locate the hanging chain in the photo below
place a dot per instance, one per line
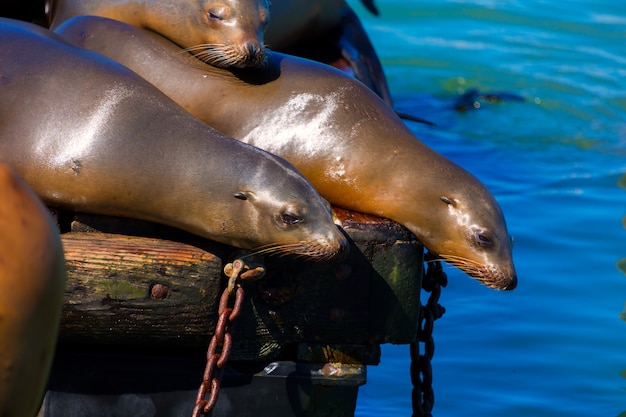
(421, 370)
(221, 342)
(423, 397)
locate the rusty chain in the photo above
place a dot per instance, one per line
(221, 342)
(421, 370)
(423, 396)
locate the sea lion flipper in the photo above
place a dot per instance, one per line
(369, 5)
(416, 119)
(357, 49)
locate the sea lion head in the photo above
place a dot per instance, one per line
(290, 215)
(234, 35)
(468, 230)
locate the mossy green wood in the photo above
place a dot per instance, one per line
(368, 298)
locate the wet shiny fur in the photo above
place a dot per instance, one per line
(223, 33)
(32, 290)
(340, 135)
(89, 135)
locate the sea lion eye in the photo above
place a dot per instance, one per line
(289, 218)
(447, 200)
(217, 13)
(240, 196)
(483, 240)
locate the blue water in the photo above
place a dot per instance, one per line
(556, 345)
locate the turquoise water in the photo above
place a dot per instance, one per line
(556, 345)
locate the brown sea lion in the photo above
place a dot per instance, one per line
(327, 31)
(223, 33)
(340, 135)
(90, 135)
(32, 288)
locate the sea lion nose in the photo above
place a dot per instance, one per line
(511, 284)
(343, 246)
(255, 53)
(252, 48)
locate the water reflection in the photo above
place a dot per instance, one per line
(621, 264)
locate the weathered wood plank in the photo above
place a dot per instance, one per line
(125, 288)
(135, 283)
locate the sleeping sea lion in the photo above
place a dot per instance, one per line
(32, 289)
(223, 33)
(90, 135)
(338, 133)
(327, 31)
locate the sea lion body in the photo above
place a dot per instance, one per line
(89, 135)
(222, 32)
(327, 31)
(32, 288)
(300, 21)
(340, 135)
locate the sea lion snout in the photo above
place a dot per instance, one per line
(332, 245)
(494, 274)
(323, 248)
(512, 284)
(338, 246)
(499, 278)
(252, 54)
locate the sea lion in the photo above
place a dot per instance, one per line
(327, 31)
(223, 33)
(473, 97)
(32, 289)
(338, 133)
(90, 135)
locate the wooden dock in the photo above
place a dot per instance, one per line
(141, 307)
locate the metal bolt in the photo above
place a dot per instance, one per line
(159, 291)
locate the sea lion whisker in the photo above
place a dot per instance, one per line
(460, 259)
(226, 55)
(201, 54)
(304, 249)
(215, 57)
(202, 47)
(209, 51)
(486, 274)
(449, 265)
(471, 267)
(432, 261)
(273, 248)
(263, 250)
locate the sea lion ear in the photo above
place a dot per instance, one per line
(447, 200)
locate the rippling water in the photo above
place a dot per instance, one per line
(556, 345)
